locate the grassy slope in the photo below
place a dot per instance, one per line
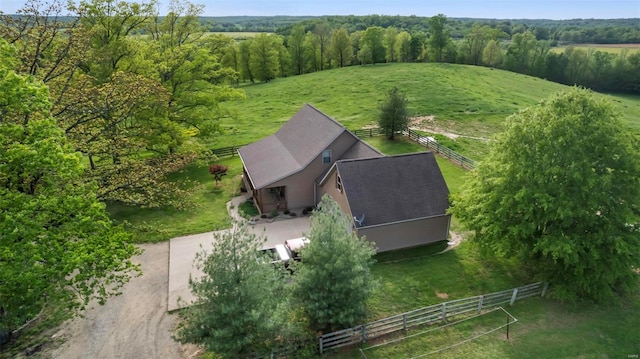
(465, 99)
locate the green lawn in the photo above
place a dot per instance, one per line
(209, 213)
(545, 329)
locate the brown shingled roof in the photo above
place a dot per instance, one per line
(291, 148)
(394, 188)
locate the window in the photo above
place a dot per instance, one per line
(339, 183)
(326, 156)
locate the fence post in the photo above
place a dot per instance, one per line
(544, 289)
(480, 303)
(370, 132)
(364, 334)
(320, 344)
(233, 151)
(513, 297)
(404, 323)
(444, 313)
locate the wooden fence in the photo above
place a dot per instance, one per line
(452, 155)
(433, 145)
(226, 151)
(438, 313)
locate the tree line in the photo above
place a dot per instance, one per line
(315, 46)
(599, 31)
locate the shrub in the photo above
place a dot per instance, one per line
(274, 213)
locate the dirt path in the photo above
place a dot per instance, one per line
(133, 325)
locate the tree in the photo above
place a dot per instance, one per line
(372, 38)
(296, 47)
(417, 46)
(475, 42)
(334, 280)
(394, 115)
(390, 41)
(341, 50)
(264, 56)
(235, 298)
(58, 245)
(218, 171)
(560, 189)
(404, 46)
(492, 54)
(439, 37)
(322, 32)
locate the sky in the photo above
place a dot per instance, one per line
(496, 9)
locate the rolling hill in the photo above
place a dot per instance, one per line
(466, 100)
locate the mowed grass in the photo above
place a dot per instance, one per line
(208, 214)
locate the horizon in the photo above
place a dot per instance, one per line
(486, 9)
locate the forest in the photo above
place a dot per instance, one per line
(317, 44)
(576, 31)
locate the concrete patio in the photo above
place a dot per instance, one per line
(182, 250)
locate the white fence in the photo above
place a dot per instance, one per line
(427, 315)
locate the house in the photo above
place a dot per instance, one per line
(280, 170)
(395, 201)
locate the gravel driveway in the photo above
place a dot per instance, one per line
(133, 325)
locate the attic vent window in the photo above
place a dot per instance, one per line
(326, 156)
(339, 183)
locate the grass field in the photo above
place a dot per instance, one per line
(467, 100)
(612, 48)
(236, 35)
(545, 329)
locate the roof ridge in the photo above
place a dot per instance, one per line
(385, 156)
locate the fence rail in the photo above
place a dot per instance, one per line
(375, 131)
(226, 151)
(452, 155)
(427, 315)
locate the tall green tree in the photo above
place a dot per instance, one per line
(341, 50)
(404, 47)
(560, 189)
(58, 246)
(322, 31)
(265, 56)
(475, 42)
(394, 115)
(373, 39)
(492, 54)
(390, 41)
(296, 46)
(334, 279)
(236, 298)
(439, 37)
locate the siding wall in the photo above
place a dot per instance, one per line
(407, 234)
(299, 186)
(329, 187)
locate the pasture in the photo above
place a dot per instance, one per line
(611, 48)
(466, 100)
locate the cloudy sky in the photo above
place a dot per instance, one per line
(499, 9)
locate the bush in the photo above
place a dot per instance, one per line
(247, 209)
(287, 211)
(274, 213)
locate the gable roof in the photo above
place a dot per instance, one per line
(291, 148)
(394, 188)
